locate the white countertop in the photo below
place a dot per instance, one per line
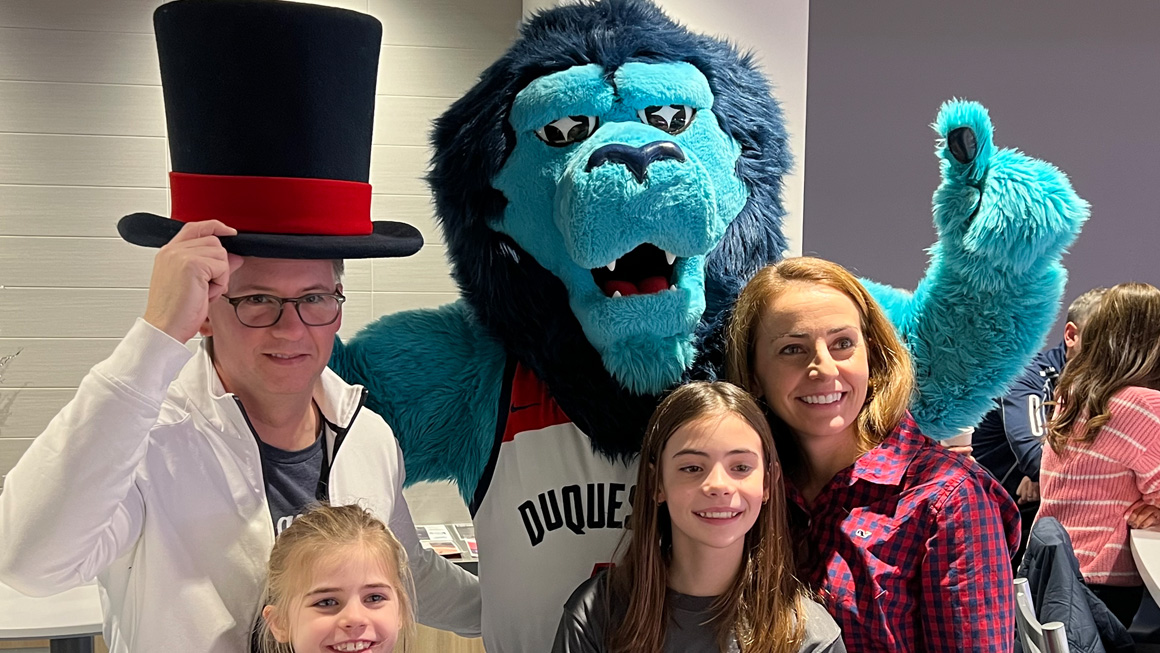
(74, 613)
(1146, 552)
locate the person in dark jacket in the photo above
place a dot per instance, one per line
(1059, 593)
(1008, 442)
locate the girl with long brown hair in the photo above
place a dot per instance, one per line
(1101, 473)
(907, 543)
(708, 567)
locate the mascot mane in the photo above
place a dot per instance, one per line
(520, 302)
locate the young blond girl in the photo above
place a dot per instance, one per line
(708, 567)
(337, 582)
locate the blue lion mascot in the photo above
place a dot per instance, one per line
(605, 191)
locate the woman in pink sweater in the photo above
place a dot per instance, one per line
(1101, 474)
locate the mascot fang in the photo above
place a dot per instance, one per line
(605, 191)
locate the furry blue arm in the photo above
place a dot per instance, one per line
(992, 289)
(894, 301)
(435, 376)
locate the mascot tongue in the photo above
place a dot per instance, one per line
(645, 270)
(645, 286)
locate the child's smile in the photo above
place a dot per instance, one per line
(713, 482)
(351, 605)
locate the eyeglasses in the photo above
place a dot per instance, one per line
(261, 311)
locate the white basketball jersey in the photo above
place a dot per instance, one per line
(549, 512)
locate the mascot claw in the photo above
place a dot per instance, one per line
(965, 141)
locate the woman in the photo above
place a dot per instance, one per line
(1101, 473)
(907, 543)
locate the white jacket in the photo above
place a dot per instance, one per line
(149, 480)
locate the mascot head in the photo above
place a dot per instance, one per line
(605, 190)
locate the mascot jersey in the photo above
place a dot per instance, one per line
(605, 191)
(547, 506)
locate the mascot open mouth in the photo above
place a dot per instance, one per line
(645, 270)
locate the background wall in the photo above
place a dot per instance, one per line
(1069, 81)
(82, 142)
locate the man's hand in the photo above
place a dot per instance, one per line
(189, 272)
(1143, 515)
(1027, 492)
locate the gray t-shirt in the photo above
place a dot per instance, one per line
(589, 618)
(291, 479)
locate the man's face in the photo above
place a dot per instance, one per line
(286, 358)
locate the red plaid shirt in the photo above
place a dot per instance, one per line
(910, 549)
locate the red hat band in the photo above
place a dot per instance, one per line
(282, 205)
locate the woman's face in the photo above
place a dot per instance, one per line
(714, 482)
(810, 360)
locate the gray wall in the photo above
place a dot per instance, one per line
(1075, 82)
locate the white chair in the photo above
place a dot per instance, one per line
(1036, 637)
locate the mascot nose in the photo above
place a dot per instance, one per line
(636, 159)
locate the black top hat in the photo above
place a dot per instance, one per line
(269, 107)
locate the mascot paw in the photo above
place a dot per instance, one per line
(999, 209)
(966, 141)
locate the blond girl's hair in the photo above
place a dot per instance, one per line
(329, 531)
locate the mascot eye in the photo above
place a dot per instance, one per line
(670, 118)
(567, 130)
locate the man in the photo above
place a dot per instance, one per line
(169, 474)
(1008, 441)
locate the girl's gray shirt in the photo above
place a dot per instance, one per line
(589, 618)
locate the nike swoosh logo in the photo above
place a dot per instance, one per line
(518, 408)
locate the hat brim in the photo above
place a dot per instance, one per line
(387, 240)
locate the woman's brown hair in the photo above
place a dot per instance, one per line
(330, 531)
(764, 607)
(891, 374)
(1120, 348)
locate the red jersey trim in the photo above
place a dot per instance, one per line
(531, 407)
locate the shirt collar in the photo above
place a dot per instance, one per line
(887, 463)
